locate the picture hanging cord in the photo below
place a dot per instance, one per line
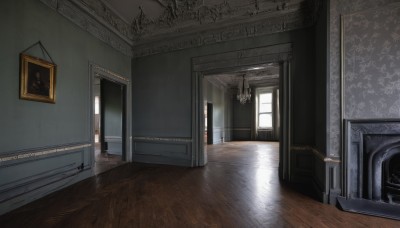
(41, 47)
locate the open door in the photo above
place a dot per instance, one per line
(109, 122)
(111, 118)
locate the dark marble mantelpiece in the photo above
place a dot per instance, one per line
(367, 143)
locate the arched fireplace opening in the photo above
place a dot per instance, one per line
(379, 152)
(391, 189)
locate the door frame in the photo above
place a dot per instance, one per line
(210, 122)
(242, 60)
(96, 71)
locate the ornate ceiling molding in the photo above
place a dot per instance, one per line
(186, 23)
(229, 33)
(284, 18)
(181, 16)
(100, 27)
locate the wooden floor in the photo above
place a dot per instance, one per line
(239, 187)
(105, 161)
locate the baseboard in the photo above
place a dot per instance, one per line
(173, 149)
(321, 195)
(47, 188)
(161, 160)
(33, 173)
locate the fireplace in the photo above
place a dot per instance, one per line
(379, 165)
(392, 180)
(371, 165)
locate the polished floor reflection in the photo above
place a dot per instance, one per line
(239, 187)
(105, 161)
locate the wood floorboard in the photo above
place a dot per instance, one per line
(239, 187)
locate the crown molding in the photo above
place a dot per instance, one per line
(102, 21)
(279, 23)
(86, 18)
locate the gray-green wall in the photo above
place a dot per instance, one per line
(33, 126)
(222, 111)
(163, 91)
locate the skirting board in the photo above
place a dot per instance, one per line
(43, 191)
(161, 160)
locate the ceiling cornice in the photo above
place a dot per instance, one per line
(100, 27)
(141, 37)
(281, 23)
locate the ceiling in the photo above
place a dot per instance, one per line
(257, 76)
(129, 9)
(154, 18)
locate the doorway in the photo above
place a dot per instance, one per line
(208, 114)
(245, 127)
(240, 61)
(110, 120)
(109, 106)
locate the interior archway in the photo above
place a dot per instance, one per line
(236, 61)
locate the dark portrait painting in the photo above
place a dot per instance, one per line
(37, 79)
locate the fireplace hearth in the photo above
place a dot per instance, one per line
(372, 168)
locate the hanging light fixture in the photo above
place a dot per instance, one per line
(244, 91)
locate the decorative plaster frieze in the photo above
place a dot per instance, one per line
(163, 139)
(185, 24)
(315, 152)
(180, 16)
(81, 15)
(41, 153)
(104, 13)
(281, 23)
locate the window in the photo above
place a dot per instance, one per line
(265, 110)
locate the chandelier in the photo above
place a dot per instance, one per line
(244, 91)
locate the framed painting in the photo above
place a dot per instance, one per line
(37, 79)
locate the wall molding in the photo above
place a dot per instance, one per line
(162, 150)
(316, 152)
(100, 71)
(113, 139)
(325, 184)
(42, 152)
(163, 139)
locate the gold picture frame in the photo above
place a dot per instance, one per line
(37, 79)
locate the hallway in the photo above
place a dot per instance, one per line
(239, 187)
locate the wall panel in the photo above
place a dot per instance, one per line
(28, 127)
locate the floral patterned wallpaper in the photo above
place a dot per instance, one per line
(371, 63)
